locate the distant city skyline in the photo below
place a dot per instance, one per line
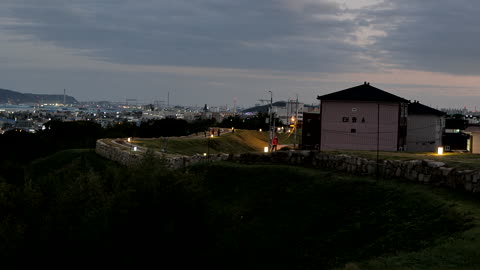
(214, 52)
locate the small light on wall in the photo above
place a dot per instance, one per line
(129, 139)
(260, 130)
(440, 150)
(134, 148)
(204, 154)
(265, 149)
(211, 136)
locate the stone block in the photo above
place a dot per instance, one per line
(435, 164)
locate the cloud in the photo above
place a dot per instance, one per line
(429, 35)
(301, 35)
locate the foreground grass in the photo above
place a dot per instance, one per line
(76, 204)
(281, 217)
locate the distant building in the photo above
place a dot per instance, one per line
(363, 118)
(474, 140)
(425, 128)
(289, 112)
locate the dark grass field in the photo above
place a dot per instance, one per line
(79, 206)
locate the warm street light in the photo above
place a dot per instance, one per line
(265, 149)
(440, 150)
(129, 139)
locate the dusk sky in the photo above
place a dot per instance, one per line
(215, 51)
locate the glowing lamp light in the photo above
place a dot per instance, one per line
(211, 136)
(260, 130)
(440, 150)
(204, 154)
(129, 139)
(265, 149)
(134, 148)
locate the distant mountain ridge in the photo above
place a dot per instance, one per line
(13, 97)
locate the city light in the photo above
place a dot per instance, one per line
(265, 149)
(440, 150)
(129, 139)
(134, 148)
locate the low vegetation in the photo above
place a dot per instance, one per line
(76, 205)
(458, 160)
(240, 141)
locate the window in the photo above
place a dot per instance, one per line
(354, 119)
(345, 119)
(353, 130)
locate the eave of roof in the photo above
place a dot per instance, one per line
(363, 92)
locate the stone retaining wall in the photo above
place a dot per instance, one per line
(424, 171)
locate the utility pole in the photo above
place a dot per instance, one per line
(295, 123)
(270, 135)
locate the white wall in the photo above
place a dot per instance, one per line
(424, 132)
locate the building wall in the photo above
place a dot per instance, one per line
(424, 132)
(311, 131)
(475, 140)
(353, 125)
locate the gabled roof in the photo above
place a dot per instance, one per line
(417, 108)
(363, 92)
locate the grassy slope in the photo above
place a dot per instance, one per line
(452, 159)
(290, 217)
(240, 141)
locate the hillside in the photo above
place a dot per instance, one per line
(13, 97)
(240, 141)
(83, 208)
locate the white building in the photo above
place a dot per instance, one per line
(425, 126)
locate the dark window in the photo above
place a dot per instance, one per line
(354, 119)
(353, 130)
(345, 119)
(363, 119)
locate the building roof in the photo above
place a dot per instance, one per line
(363, 92)
(418, 108)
